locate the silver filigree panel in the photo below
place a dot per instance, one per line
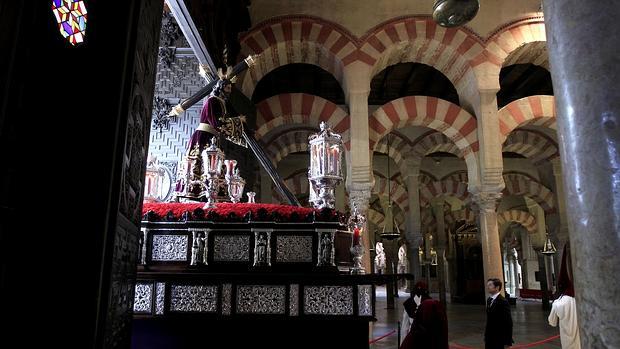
(231, 248)
(364, 300)
(160, 289)
(328, 300)
(293, 300)
(193, 298)
(226, 291)
(169, 248)
(259, 299)
(293, 248)
(143, 298)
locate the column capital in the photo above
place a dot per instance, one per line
(487, 201)
(359, 195)
(487, 79)
(412, 164)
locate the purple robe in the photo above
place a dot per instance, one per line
(212, 110)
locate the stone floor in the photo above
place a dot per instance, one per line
(466, 324)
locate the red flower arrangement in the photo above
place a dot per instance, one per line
(225, 211)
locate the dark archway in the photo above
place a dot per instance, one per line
(299, 78)
(521, 80)
(410, 79)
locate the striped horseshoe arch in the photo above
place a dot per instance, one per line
(521, 185)
(300, 109)
(528, 111)
(526, 219)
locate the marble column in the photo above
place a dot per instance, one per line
(489, 235)
(562, 234)
(360, 179)
(438, 211)
(413, 234)
(583, 53)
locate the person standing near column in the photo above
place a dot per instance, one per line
(564, 309)
(498, 331)
(429, 329)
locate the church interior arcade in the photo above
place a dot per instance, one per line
(357, 150)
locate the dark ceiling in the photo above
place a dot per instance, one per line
(299, 78)
(410, 79)
(522, 80)
(219, 23)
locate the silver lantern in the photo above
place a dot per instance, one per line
(235, 186)
(325, 171)
(213, 160)
(454, 13)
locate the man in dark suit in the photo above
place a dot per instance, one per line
(498, 332)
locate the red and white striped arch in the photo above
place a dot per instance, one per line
(533, 53)
(514, 37)
(536, 110)
(438, 114)
(300, 109)
(399, 148)
(398, 192)
(526, 219)
(435, 142)
(296, 39)
(522, 185)
(453, 51)
(533, 145)
(443, 188)
(289, 141)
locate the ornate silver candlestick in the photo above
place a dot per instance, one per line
(325, 171)
(213, 158)
(235, 186)
(251, 196)
(357, 224)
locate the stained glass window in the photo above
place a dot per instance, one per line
(71, 17)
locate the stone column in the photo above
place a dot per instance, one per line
(413, 234)
(583, 53)
(562, 234)
(438, 210)
(360, 179)
(490, 182)
(489, 235)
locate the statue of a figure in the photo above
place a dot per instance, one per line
(214, 121)
(379, 258)
(198, 249)
(325, 257)
(260, 256)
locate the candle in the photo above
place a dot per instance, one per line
(356, 236)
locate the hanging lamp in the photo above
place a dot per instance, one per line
(390, 234)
